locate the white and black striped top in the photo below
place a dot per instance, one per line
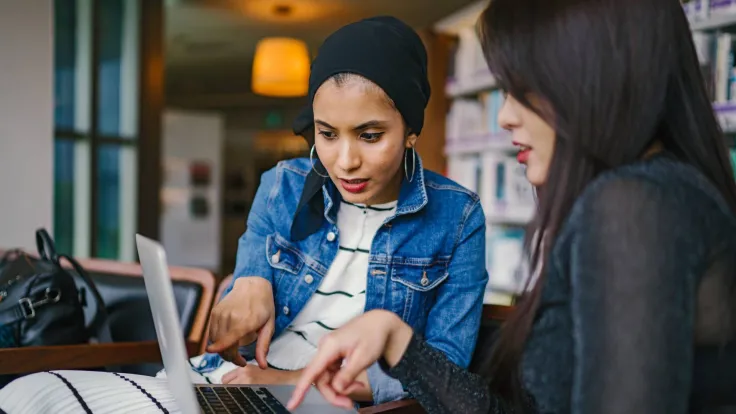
(341, 295)
(87, 392)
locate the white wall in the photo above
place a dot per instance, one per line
(188, 137)
(26, 120)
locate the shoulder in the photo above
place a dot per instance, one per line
(298, 167)
(287, 173)
(444, 188)
(451, 198)
(285, 181)
(655, 193)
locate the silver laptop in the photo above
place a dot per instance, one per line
(208, 398)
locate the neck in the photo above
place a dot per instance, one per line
(392, 190)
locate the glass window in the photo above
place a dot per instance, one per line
(118, 68)
(116, 201)
(71, 196)
(110, 231)
(65, 52)
(64, 195)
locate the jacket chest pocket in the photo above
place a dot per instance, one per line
(414, 290)
(287, 264)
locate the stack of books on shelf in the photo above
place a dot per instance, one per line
(715, 48)
(467, 72)
(716, 55)
(481, 157)
(703, 10)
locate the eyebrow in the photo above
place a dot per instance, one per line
(361, 127)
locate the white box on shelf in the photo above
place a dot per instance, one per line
(465, 119)
(504, 256)
(703, 9)
(726, 114)
(498, 142)
(508, 197)
(519, 191)
(464, 169)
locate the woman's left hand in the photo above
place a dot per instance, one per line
(254, 375)
(345, 353)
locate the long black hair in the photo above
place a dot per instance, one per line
(616, 76)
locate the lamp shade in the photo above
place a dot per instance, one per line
(281, 67)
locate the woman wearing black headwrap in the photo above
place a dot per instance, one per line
(360, 225)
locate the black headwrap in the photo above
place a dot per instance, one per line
(385, 51)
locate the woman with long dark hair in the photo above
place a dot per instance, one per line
(634, 241)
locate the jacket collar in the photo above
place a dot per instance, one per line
(314, 207)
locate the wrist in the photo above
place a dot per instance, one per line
(400, 335)
(294, 376)
(252, 285)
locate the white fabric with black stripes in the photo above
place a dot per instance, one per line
(72, 392)
(341, 295)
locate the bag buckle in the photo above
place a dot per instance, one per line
(28, 308)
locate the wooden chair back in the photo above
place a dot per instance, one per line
(33, 359)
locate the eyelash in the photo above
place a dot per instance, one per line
(368, 136)
(371, 136)
(327, 134)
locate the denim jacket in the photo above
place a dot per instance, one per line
(427, 262)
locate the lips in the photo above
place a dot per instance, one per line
(523, 155)
(354, 185)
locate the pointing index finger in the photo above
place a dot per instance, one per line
(324, 358)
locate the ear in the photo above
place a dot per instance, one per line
(411, 140)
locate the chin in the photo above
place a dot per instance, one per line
(534, 177)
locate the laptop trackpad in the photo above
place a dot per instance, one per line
(314, 402)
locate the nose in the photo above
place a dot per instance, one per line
(507, 118)
(348, 158)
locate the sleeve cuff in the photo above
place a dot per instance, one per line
(407, 363)
(385, 389)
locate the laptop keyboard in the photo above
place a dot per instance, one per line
(216, 400)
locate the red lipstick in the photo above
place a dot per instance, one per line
(523, 156)
(354, 186)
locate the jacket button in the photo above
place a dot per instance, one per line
(331, 236)
(308, 279)
(286, 310)
(276, 257)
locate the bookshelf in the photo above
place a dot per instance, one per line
(480, 155)
(713, 23)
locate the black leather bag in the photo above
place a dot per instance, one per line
(42, 304)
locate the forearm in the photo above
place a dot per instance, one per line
(438, 384)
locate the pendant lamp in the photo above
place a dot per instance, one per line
(281, 67)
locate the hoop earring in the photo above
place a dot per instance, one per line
(311, 159)
(413, 164)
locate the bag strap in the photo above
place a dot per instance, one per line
(16, 313)
(45, 246)
(100, 324)
(47, 250)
